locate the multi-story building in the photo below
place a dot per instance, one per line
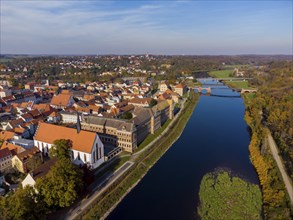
(181, 89)
(5, 159)
(163, 86)
(118, 132)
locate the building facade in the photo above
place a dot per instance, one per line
(87, 147)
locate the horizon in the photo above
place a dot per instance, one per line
(175, 28)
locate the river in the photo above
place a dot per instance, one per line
(216, 136)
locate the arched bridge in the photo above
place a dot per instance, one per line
(200, 89)
(248, 90)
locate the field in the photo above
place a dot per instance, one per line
(239, 84)
(221, 73)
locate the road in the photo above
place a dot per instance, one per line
(277, 158)
(102, 185)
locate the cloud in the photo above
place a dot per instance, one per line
(133, 27)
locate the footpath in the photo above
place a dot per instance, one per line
(103, 184)
(281, 167)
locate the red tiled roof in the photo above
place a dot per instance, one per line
(4, 153)
(82, 141)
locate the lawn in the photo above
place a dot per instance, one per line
(239, 84)
(221, 73)
(151, 137)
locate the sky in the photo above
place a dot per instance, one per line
(171, 27)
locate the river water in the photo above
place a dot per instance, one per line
(216, 136)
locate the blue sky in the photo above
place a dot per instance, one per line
(138, 27)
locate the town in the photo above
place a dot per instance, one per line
(101, 119)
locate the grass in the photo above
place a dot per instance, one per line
(239, 85)
(114, 166)
(221, 73)
(142, 164)
(151, 137)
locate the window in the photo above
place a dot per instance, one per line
(78, 156)
(84, 157)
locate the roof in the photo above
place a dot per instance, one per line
(16, 122)
(44, 168)
(54, 114)
(141, 115)
(27, 116)
(140, 101)
(28, 153)
(82, 141)
(4, 153)
(5, 135)
(162, 105)
(14, 149)
(61, 100)
(109, 122)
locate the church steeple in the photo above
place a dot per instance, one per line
(78, 125)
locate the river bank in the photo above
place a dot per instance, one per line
(142, 164)
(275, 197)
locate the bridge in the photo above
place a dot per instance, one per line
(200, 89)
(248, 91)
(224, 79)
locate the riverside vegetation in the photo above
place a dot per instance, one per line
(142, 164)
(223, 196)
(272, 107)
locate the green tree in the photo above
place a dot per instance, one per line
(126, 115)
(225, 197)
(23, 204)
(61, 149)
(153, 102)
(60, 187)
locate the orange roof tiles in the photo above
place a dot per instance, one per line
(15, 149)
(5, 135)
(61, 100)
(82, 141)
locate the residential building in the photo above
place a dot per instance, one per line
(163, 86)
(27, 160)
(62, 101)
(181, 89)
(5, 159)
(31, 178)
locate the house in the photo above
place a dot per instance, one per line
(62, 101)
(163, 86)
(5, 159)
(6, 135)
(14, 149)
(181, 89)
(26, 160)
(69, 117)
(31, 178)
(87, 147)
(141, 102)
(54, 117)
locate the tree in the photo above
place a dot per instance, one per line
(153, 102)
(60, 187)
(23, 204)
(61, 149)
(225, 197)
(126, 115)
